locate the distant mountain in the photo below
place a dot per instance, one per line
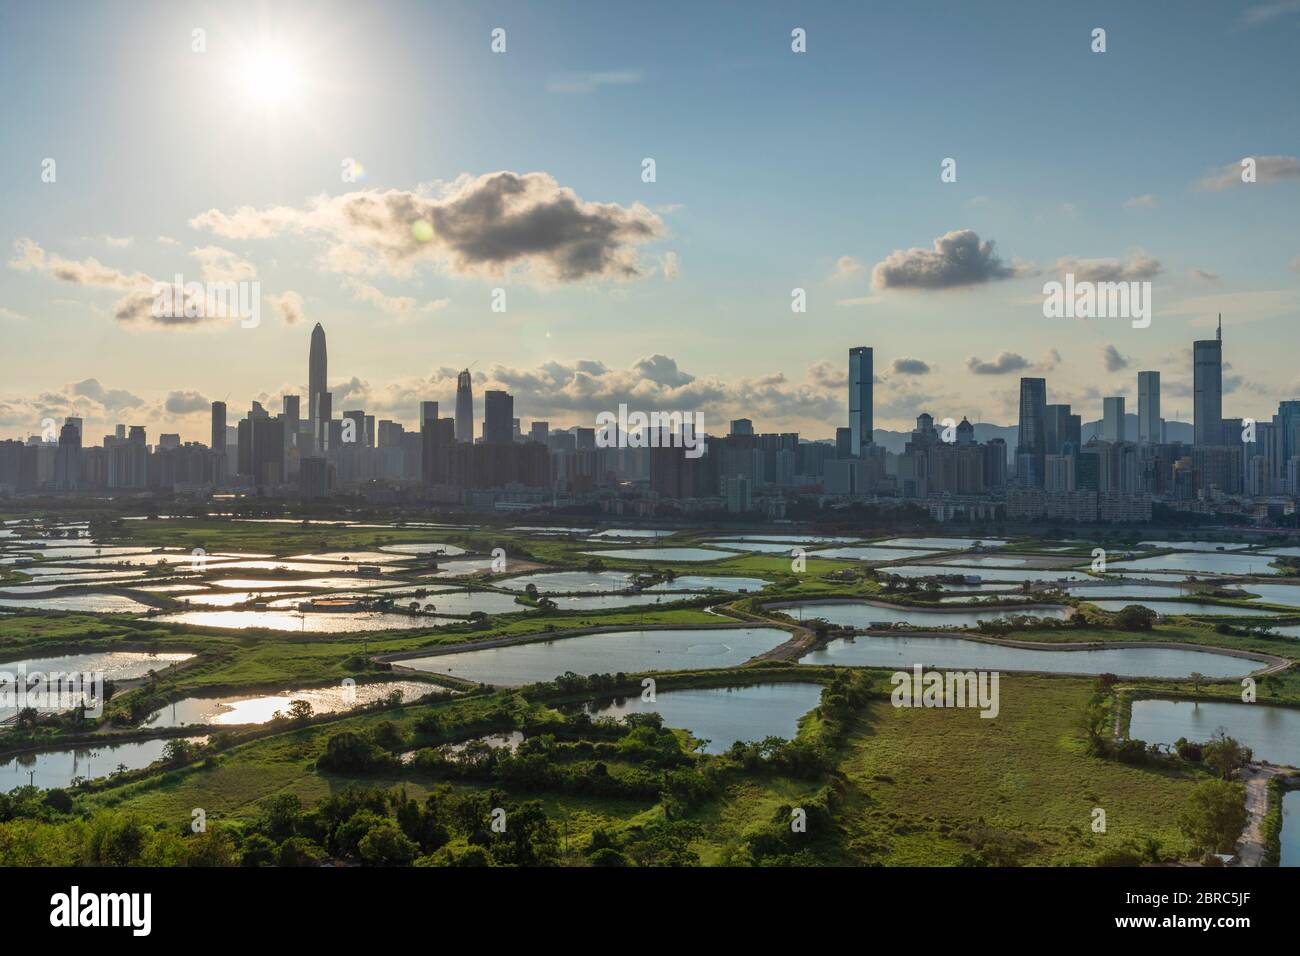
(895, 441)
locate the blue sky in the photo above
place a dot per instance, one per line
(774, 171)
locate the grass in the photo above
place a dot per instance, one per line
(927, 786)
(923, 786)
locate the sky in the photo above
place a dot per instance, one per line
(381, 169)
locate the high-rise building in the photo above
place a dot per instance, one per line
(324, 413)
(67, 461)
(428, 412)
(540, 432)
(316, 374)
(291, 414)
(1207, 389)
(1149, 408)
(356, 435)
(219, 427)
(437, 439)
(1031, 444)
(1061, 429)
(498, 415)
(1112, 419)
(861, 410)
(843, 443)
(464, 407)
(742, 426)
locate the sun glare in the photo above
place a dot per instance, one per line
(269, 77)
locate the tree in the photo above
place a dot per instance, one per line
(178, 751)
(385, 845)
(300, 711)
(1214, 815)
(1225, 755)
(1135, 617)
(258, 850)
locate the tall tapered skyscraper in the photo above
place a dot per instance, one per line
(860, 399)
(1207, 390)
(464, 407)
(316, 369)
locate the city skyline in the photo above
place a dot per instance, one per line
(687, 302)
(470, 419)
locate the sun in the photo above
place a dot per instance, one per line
(269, 77)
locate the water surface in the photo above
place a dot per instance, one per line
(1273, 733)
(610, 653)
(863, 614)
(258, 709)
(951, 652)
(723, 715)
(57, 768)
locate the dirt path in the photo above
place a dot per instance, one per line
(1250, 848)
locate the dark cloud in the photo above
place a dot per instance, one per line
(910, 366)
(489, 225)
(1004, 364)
(112, 399)
(186, 403)
(1113, 361)
(959, 258)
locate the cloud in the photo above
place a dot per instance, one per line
(11, 314)
(1111, 358)
(288, 305)
(959, 258)
(1139, 266)
(910, 366)
(493, 225)
(588, 82)
(670, 265)
(1145, 201)
(1268, 169)
(119, 242)
(222, 265)
(1004, 364)
(826, 375)
(1267, 12)
(846, 267)
(1205, 276)
(186, 403)
(663, 370)
(136, 305)
(393, 305)
(112, 399)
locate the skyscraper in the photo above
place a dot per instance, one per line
(219, 427)
(1031, 444)
(498, 414)
(316, 370)
(464, 407)
(1207, 390)
(861, 409)
(1149, 408)
(1112, 419)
